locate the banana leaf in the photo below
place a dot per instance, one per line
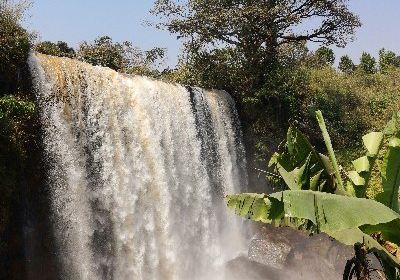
(301, 167)
(356, 236)
(390, 174)
(339, 216)
(364, 165)
(393, 126)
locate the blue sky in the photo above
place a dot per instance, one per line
(74, 21)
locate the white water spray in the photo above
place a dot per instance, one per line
(137, 171)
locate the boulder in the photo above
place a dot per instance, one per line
(242, 268)
(271, 246)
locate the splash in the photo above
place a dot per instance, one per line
(138, 171)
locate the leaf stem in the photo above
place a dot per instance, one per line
(331, 153)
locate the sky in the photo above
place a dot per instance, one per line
(74, 21)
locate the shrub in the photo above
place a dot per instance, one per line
(15, 43)
(56, 49)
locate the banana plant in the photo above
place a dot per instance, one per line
(322, 197)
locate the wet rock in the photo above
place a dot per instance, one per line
(285, 253)
(321, 250)
(271, 246)
(299, 256)
(245, 269)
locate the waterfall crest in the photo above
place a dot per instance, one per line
(137, 173)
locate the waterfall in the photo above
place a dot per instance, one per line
(138, 169)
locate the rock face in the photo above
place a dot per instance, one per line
(271, 246)
(320, 254)
(319, 257)
(242, 268)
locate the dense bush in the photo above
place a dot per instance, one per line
(122, 57)
(55, 49)
(18, 135)
(15, 43)
(18, 140)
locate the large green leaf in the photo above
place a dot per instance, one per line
(300, 166)
(393, 126)
(372, 143)
(329, 212)
(339, 216)
(356, 236)
(364, 165)
(257, 207)
(390, 173)
(389, 231)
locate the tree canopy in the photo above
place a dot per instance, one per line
(256, 23)
(388, 59)
(123, 57)
(325, 55)
(367, 63)
(251, 32)
(346, 65)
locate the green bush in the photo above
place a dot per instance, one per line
(15, 43)
(17, 118)
(55, 49)
(121, 57)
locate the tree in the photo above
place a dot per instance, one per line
(122, 57)
(252, 32)
(104, 52)
(346, 65)
(325, 56)
(388, 59)
(56, 49)
(367, 63)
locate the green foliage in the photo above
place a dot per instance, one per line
(16, 119)
(122, 57)
(15, 43)
(219, 68)
(15, 115)
(346, 65)
(390, 169)
(367, 63)
(373, 97)
(347, 215)
(364, 165)
(60, 49)
(388, 59)
(325, 56)
(16, 122)
(391, 176)
(230, 41)
(301, 167)
(331, 153)
(104, 52)
(328, 213)
(339, 216)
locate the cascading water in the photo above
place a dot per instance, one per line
(137, 171)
